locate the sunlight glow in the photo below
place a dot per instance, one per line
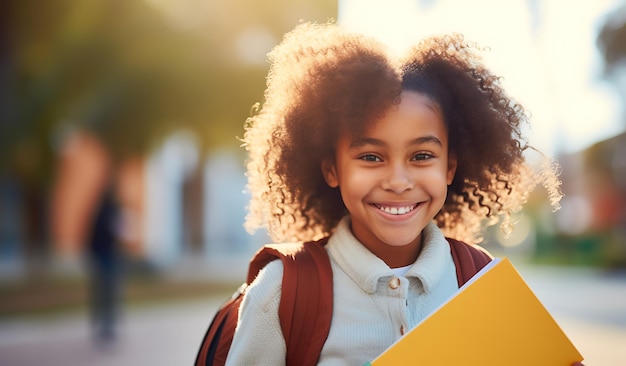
(524, 231)
(545, 51)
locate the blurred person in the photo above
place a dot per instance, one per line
(85, 216)
(105, 267)
(385, 158)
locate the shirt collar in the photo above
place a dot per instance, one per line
(365, 269)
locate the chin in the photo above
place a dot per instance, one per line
(399, 241)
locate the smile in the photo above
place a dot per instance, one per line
(395, 210)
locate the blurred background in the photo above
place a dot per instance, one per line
(122, 180)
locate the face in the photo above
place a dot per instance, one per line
(394, 178)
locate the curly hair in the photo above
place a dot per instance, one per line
(324, 79)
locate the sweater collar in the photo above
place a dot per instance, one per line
(365, 269)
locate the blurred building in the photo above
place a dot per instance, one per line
(173, 205)
(590, 228)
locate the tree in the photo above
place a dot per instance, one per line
(612, 39)
(131, 72)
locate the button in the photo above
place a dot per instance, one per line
(394, 283)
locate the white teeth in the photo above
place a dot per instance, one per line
(396, 210)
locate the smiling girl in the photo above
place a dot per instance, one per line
(385, 157)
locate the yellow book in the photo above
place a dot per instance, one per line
(495, 319)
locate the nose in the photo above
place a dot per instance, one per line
(398, 178)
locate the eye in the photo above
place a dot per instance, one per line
(370, 157)
(422, 156)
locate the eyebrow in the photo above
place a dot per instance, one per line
(362, 141)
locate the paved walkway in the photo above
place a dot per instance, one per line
(160, 335)
(589, 305)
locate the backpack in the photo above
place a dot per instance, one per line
(305, 309)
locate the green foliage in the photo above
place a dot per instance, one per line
(133, 71)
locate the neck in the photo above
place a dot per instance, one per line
(396, 257)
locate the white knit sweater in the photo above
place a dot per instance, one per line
(368, 314)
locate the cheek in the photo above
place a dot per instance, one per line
(354, 185)
(435, 182)
(354, 181)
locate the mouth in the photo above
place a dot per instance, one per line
(396, 209)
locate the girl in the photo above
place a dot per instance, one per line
(387, 158)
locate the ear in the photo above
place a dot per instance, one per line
(452, 164)
(329, 171)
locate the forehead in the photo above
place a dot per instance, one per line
(416, 114)
(412, 102)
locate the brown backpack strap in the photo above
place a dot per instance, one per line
(216, 343)
(468, 259)
(305, 309)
